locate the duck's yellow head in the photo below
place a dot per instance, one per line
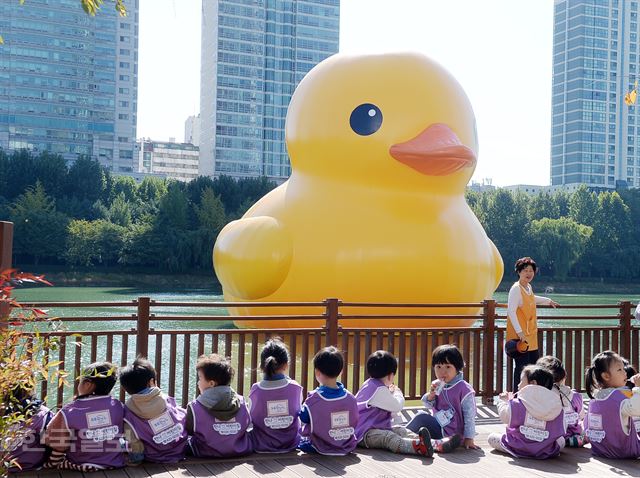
(391, 120)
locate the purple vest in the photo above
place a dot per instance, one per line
(274, 414)
(572, 411)
(448, 410)
(96, 426)
(26, 449)
(333, 423)
(164, 437)
(220, 438)
(602, 426)
(530, 437)
(370, 417)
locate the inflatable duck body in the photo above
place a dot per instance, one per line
(381, 148)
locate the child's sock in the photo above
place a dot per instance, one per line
(55, 459)
(446, 445)
(423, 445)
(576, 441)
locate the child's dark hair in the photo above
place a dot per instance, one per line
(448, 353)
(599, 365)
(215, 367)
(631, 371)
(524, 262)
(381, 363)
(135, 378)
(101, 374)
(553, 365)
(274, 356)
(541, 375)
(329, 361)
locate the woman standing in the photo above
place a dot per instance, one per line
(523, 321)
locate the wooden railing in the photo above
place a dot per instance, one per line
(144, 329)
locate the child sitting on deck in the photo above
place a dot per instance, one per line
(25, 452)
(329, 415)
(378, 399)
(218, 419)
(570, 399)
(451, 398)
(85, 434)
(154, 425)
(275, 403)
(609, 424)
(535, 420)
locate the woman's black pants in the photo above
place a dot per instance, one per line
(527, 358)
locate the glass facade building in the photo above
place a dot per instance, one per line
(68, 81)
(595, 63)
(254, 53)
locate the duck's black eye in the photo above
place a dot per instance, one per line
(366, 119)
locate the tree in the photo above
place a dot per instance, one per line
(86, 179)
(94, 242)
(559, 243)
(506, 224)
(543, 205)
(211, 220)
(611, 237)
(583, 205)
(39, 230)
(120, 212)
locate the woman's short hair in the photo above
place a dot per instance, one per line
(524, 262)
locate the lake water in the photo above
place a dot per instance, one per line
(117, 294)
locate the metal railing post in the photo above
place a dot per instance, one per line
(142, 342)
(625, 328)
(331, 316)
(489, 322)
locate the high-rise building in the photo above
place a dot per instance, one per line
(68, 81)
(192, 130)
(169, 159)
(595, 63)
(254, 53)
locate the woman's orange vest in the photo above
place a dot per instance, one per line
(527, 319)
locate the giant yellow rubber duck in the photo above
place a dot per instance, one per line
(381, 148)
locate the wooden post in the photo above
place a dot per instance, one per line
(332, 316)
(489, 318)
(625, 328)
(142, 342)
(6, 244)
(6, 251)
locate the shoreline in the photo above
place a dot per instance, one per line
(207, 280)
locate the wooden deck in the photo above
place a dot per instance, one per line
(381, 464)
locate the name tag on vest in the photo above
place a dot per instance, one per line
(160, 423)
(534, 429)
(230, 427)
(444, 417)
(595, 432)
(278, 415)
(340, 429)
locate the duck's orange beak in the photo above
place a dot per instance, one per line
(437, 151)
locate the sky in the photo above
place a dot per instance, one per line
(499, 50)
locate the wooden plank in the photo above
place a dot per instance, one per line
(136, 472)
(156, 470)
(348, 465)
(305, 364)
(197, 469)
(413, 347)
(347, 357)
(276, 467)
(424, 362)
(302, 468)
